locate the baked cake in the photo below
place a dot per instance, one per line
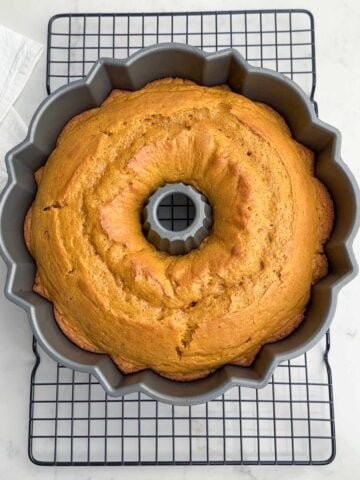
(182, 316)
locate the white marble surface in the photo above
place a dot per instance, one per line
(338, 95)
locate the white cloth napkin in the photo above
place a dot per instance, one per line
(18, 56)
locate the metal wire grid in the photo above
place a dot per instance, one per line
(176, 212)
(291, 421)
(282, 40)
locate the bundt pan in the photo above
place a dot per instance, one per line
(174, 60)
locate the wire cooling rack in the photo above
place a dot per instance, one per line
(290, 421)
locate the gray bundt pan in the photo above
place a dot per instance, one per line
(133, 73)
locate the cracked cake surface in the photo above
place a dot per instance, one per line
(182, 316)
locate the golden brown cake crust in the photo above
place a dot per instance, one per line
(182, 316)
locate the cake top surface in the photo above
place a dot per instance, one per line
(184, 315)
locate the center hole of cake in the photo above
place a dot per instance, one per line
(176, 212)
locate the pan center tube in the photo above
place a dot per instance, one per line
(176, 218)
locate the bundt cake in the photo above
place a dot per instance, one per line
(182, 316)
